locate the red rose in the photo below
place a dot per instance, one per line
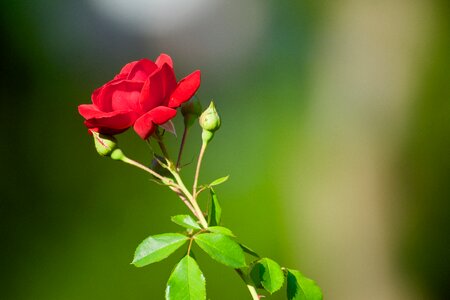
(143, 95)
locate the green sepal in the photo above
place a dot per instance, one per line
(157, 247)
(185, 221)
(268, 274)
(207, 136)
(222, 249)
(186, 281)
(215, 211)
(104, 144)
(300, 287)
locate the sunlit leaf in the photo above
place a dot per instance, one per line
(222, 230)
(186, 221)
(222, 249)
(215, 211)
(186, 281)
(301, 288)
(269, 274)
(219, 181)
(157, 247)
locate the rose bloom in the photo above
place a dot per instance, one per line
(144, 94)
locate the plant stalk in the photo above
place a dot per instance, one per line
(142, 167)
(253, 292)
(183, 198)
(197, 171)
(183, 141)
(162, 146)
(250, 287)
(199, 213)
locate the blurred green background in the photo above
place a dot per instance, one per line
(336, 134)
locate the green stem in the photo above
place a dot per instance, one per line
(142, 167)
(190, 245)
(199, 213)
(197, 171)
(250, 287)
(178, 188)
(163, 149)
(162, 146)
(174, 187)
(253, 292)
(180, 152)
(184, 199)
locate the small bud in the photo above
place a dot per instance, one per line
(191, 111)
(117, 154)
(210, 120)
(104, 144)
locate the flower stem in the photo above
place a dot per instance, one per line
(190, 245)
(197, 171)
(184, 199)
(198, 211)
(183, 140)
(162, 146)
(141, 166)
(163, 149)
(178, 188)
(253, 292)
(250, 287)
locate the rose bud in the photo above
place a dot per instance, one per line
(191, 111)
(106, 145)
(210, 122)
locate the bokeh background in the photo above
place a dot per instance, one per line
(336, 134)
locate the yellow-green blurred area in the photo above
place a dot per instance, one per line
(335, 133)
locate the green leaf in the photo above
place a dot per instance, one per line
(219, 181)
(186, 221)
(186, 281)
(215, 211)
(249, 250)
(222, 230)
(301, 288)
(157, 247)
(269, 274)
(221, 248)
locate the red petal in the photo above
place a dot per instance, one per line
(186, 88)
(98, 99)
(125, 70)
(112, 121)
(152, 92)
(169, 82)
(120, 95)
(146, 124)
(89, 111)
(108, 131)
(141, 70)
(164, 59)
(162, 114)
(95, 94)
